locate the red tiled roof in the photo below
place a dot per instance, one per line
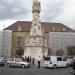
(26, 25)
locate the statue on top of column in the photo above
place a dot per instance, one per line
(36, 6)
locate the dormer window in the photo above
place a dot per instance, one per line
(19, 28)
(53, 28)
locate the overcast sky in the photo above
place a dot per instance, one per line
(61, 11)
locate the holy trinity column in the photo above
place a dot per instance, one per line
(35, 45)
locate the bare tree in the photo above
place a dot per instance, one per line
(71, 50)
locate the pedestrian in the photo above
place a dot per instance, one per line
(33, 61)
(30, 59)
(25, 58)
(39, 61)
(22, 58)
(43, 56)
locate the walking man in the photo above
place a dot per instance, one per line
(39, 61)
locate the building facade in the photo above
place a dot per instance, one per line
(21, 29)
(60, 41)
(5, 43)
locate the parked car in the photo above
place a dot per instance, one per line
(71, 61)
(2, 61)
(55, 61)
(17, 62)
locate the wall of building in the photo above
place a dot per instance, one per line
(15, 35)
(1, 42)
(5, 43)
(55, 41)
(60, 40)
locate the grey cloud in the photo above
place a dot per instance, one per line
(17, 9)
(52, 10)
(13, 9)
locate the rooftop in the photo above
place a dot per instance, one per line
(26, 25)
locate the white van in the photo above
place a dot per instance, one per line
(55, 61)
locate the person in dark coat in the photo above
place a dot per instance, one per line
(30, 59)
(39, 61)
(33, 61)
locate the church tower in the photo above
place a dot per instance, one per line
(35, 45)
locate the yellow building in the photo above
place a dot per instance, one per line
(21, 30)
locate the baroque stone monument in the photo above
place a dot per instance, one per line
(35, 45)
